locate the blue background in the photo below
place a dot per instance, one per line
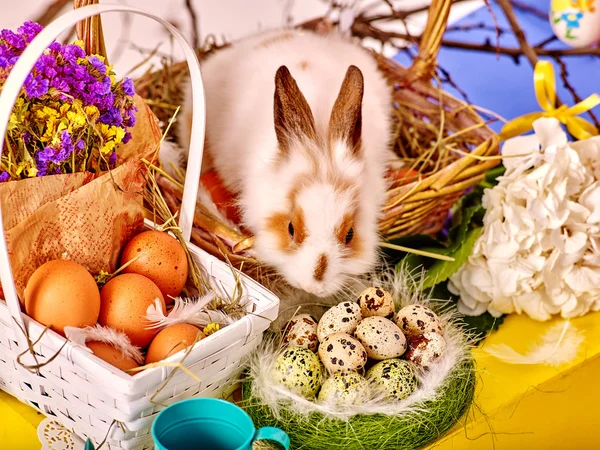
(497, 83)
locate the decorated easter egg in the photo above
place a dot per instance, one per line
(341, 318)
(414, 320)
(381, 338)
(393, 378)
(575, 22)
(299, 370)
(425, 349)
(340, 352)
(344, 388)
(301, 331)
(375, 301)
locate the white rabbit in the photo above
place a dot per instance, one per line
(298, 125)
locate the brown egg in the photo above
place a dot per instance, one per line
(160, 258)
(111, 355)
(62, 293)
(172, 340)
(125, 300)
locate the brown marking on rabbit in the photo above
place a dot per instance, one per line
(320, 268)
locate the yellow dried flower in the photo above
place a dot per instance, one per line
(211, 328)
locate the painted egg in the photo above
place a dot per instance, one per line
(393, 378)
(301, 331)
(381, 338)
(344, 388)
(575, 22)
(341, 318)
(375, 301)
(340, 352)
(299, 370)
(414, 320)
(425, 349)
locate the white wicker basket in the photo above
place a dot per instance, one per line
(85, 394)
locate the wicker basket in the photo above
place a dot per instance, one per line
(87, 395)
(434, 133)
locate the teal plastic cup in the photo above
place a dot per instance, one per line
(211, 424)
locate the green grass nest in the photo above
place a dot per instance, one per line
(411, 430)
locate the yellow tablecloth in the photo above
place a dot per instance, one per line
(517, 407)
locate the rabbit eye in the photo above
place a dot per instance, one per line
(291, 229)
(349, 236)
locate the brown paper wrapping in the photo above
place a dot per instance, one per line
(83, 217)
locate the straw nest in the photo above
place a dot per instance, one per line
(444, 395)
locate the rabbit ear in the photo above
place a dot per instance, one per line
(292, 114)
(345, 123)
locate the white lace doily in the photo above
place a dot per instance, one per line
(54, 436)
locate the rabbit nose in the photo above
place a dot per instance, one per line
(320, 268)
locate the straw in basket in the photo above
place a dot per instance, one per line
(85, 394)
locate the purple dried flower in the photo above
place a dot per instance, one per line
(4, 176)
(112, 117)
(36, 86)
(127, 137)
(97, 64)
(112, 159)
(80, 145)
(29, 30)
(27, 138)
(128, 87)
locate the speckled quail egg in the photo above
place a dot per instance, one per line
(344, 388)
(381, 338)
(425, 349)
(375, 301)
(299, 370)
(416, 319)
(301, 331)
(340, 352)
(341, 318)
(393, 378)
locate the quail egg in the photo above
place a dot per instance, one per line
(340, 352)
(375, 301)
(425, 349)
(416, 319)
(347, 388)
(301, 331)
(299, 370)
(393, 378)
(381, 338)
(341, 318)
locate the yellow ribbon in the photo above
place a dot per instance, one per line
(545, 91)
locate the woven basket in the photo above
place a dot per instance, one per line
(416, 203)
(87, 395)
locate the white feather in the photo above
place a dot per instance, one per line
(559, 345)
(402, 287)
(98, 333)
(185, 310)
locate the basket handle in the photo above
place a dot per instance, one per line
(10, 93)
(425, 63)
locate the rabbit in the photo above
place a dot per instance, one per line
(298, 126)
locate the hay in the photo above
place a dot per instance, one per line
(445, 393)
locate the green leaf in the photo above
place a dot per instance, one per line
(440, 271)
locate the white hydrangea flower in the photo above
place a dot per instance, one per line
(539, 250)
